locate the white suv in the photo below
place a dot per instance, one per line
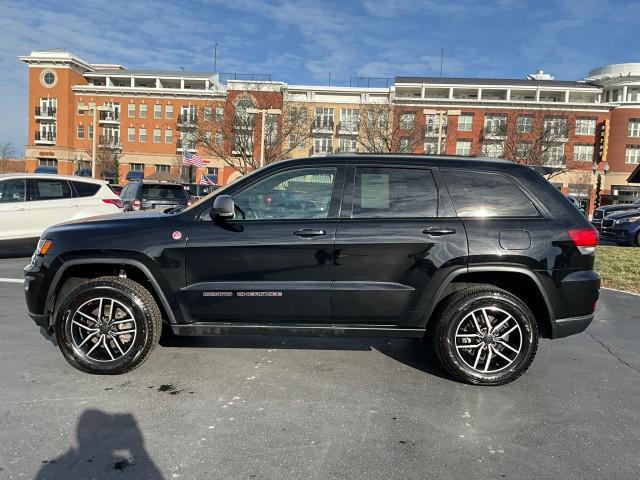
(29, 203)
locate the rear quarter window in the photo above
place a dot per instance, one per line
(481, 194)
(163, 192)
(85, 189)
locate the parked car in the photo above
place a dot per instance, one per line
(153, 195)
(196, 190)
(29, 203)
(622, 228)
(483, 256)
(117, 189)
(601, 212)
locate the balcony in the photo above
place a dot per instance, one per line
(44, 138)
(110, 117)
(322, 125)
(45, 113)
(187, 120)
(495, 131)
(110, 141)
(432, 131)
(324, 151)
(182, 146)
(348, 128)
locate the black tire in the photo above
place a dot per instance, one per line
(455, 320)
(130, 299)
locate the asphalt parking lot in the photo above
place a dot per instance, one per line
(267, 408)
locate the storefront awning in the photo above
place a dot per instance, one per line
(52, 170)
(135, 175)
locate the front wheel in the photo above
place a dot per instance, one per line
(108, 325)
(485, 336)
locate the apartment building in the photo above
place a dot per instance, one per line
(589, 127)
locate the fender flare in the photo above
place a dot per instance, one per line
(451, 276)
(113, 261)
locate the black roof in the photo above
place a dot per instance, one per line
(496, 81)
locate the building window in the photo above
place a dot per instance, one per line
(48, 162)
(463, 147)
(142, 134)
(218, 138)
(157, 135)
(493, 148)
(219, 114)
(430, 147)
(163, 168)
(632, 154)
(348, 145)
(157, 111)
(524, 124)
(168, 111)
(407, 121)
(585, 126)
(49, 78)
(554, 155)
(523, 151)
(90, 131)
(495, 124)
(293, 141)
(555, 126)
(405, 145)
(168, 136)
(143, 110)
(432, 125)
(131, 112)
(465, 122)
(81, 108)
(80, 132)
(207, 112)
(583, 152)
(137, 167)
(324, 118)
(323, 145)
(212, 170)
(131, 134)
(634, 127)
(349, 120)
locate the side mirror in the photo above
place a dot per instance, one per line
(223, 207)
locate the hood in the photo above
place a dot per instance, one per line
(116, 220)
(612, 208)
(624, 214)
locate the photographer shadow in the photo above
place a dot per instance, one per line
(108, 445)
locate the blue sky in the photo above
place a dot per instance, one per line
(302, 41)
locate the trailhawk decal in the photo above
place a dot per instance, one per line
(242, 294)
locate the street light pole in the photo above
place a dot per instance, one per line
(440, 114)
(263, 111)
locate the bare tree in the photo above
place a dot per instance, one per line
(108, 154)
(232, 135)
(535, 139)
(6, 154)
(384, 130)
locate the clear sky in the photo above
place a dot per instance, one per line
(302, 41)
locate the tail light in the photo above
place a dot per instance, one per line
(113, 201)
(585, 239)
(188, 203)
(136, 204)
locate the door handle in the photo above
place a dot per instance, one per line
(309, 232)
(72, 205)
(18, 209)
(437, 231)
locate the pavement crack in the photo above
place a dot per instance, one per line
(613, 354)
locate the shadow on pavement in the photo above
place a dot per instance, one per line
(108, 445)
(415, 353)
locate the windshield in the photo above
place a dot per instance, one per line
(163, 192)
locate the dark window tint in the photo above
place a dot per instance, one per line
(85, 189)
(394, 193)
(12, 191)
(51, 189)
(163, 192)
(128, 191)
(476, 194)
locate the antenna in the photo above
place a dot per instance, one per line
(215, 58)
(329, 78)
(441, 60)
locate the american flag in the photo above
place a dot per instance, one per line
(189, 158)
(206, 180)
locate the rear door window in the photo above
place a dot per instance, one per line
(163, 192)
(481, 194)
(383, 192)
(85, 189)
(51, 189)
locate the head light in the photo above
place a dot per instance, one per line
(623, 221)
(43, 247)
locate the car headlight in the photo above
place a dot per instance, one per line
(622, 221)
(43, 247)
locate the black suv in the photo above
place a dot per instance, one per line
(484, 256)
(150, 195)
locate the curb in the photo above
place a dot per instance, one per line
(620, 291)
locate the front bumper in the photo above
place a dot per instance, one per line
(618, 235)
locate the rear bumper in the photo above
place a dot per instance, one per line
(564, 327)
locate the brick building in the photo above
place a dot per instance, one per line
(145, 118)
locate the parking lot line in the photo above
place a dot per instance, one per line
(11, 280)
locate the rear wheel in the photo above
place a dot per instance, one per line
(485, 336)
(108, 325)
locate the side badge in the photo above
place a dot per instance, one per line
(177, 235)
